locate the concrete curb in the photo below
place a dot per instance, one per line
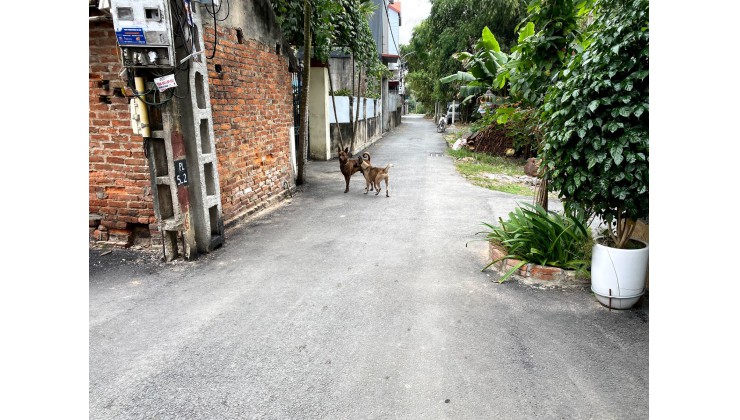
(533, 274)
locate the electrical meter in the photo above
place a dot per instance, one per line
(144, 33)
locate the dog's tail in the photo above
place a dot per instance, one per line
(364, 156)
(388, 166)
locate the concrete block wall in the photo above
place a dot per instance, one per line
(366, 127)
(341, 73)
(366, 135)
(252, 103)
(120, 200)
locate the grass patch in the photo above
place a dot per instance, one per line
(507, 187)
(469, 163)
(477, 168)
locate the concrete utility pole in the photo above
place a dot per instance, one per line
(403, 83)
(453, 114)
(181, 149)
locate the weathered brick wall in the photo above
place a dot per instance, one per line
(251, 101)
(120, 193)
(252, 106)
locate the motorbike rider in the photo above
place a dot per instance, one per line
(442, 124)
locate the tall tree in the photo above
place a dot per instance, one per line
(454, 26)
(551, 35)
(302, 138)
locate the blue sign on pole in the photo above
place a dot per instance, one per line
(131, 36)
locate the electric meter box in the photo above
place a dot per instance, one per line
(144, 33)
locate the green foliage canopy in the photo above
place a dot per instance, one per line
(453, 26)
(596, 118)
(335, 25)
(546, 41)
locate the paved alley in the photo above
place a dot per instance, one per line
(354, 306)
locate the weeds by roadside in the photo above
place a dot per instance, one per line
(493, 172)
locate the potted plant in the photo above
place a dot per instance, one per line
(595, 146)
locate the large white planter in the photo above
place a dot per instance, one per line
(618, 275)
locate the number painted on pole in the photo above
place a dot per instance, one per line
(181, 172)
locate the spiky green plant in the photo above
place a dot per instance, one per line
(532, 234)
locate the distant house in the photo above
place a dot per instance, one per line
(385, 23)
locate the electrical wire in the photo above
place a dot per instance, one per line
(215, 24)
(142, 95)
(180, 97)
(155, 73)
(215, 12)
(389, 28)
(182, 25)
(184, 32)
(215, 37)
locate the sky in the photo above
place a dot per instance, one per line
(412, 13)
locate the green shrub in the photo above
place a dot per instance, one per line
(535, 235)
(596, 139)
(343, 92)
(520, 124)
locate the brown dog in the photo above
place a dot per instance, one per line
(350, 166)
(373, 176)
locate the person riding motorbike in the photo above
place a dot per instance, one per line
(442, 124)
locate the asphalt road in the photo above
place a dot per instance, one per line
(354, 306)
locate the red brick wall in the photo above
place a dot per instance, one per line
(252, 114)
(252, 108)
(120, 190)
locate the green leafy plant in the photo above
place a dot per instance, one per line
(596, 137)
(335, 25)
(546, 41)
(342, 92)
(547, 37)
(532, 234)
(452, 26)
(482, 65)
(522, 125)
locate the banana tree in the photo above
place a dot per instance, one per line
(482, 67)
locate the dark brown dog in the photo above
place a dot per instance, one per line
(350, 166)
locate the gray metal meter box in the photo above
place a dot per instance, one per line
(144, 33)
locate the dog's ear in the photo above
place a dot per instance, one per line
(346, 150)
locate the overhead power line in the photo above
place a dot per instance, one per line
(398, 51)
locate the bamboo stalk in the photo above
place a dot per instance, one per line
(357, 111)
(334, 104)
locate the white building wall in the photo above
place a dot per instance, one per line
(393, 16)
(343, 109)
